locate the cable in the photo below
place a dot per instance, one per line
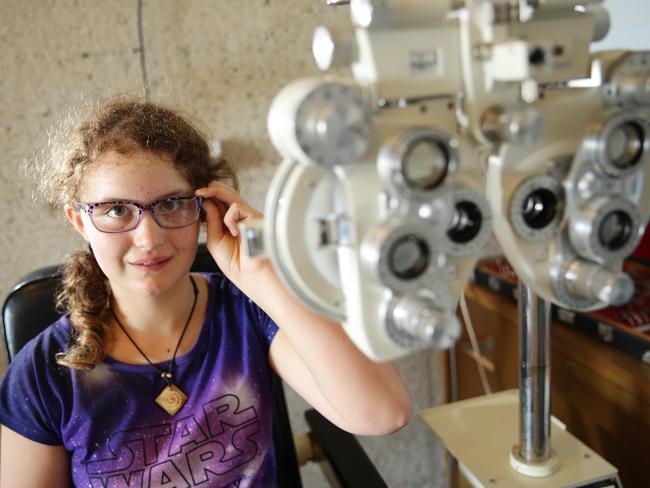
(474, 342)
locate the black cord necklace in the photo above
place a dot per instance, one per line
(172, 398)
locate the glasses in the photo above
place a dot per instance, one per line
(125, 215)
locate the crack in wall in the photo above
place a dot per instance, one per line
(143, 61)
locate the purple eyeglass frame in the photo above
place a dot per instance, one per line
(88, 209)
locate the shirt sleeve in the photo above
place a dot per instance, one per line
(29, 403)
(266, 326)
(241, 304)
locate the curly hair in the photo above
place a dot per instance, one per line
(122, 125)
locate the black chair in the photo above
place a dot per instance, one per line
(29, 308)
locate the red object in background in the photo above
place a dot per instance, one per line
(643, 249)
(626, 328)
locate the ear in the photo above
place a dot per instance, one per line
(74, 217)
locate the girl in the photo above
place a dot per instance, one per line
(157, 376)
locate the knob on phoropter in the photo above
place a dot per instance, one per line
(594, 282)
(420, 319)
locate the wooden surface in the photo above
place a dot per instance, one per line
(602, 394)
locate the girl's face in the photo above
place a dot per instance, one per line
(148, 260)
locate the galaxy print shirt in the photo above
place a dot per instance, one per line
(118, 436)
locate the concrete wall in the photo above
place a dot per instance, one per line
(219, 60)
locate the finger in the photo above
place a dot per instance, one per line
(214, 220)
(223, 208)
(220, 191)
(224, 200)
(232, 217)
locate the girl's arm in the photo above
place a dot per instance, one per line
(312, 354)
(28, 464)
(318, 360)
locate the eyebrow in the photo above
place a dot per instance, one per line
(178, 193)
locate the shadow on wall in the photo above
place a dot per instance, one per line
(242, 153)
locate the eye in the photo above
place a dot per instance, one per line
(167, 206)
(117, 211)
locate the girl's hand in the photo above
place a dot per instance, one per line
(319, 361)
(224, 209)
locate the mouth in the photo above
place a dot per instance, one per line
(151, 264)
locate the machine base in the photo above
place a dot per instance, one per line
(480, 432)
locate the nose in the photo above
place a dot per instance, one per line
(148, 234)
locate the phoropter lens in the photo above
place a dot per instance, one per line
(466, 223)
(425, 164)
(408, 258)
(540, 208)
(624, 145)
(615, 230)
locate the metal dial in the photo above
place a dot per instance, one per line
(417, 161)
(621, 144)
(398, 253)
(606, 229)
(332, 124)
(422, 319)
(536, 208)
(471, 224)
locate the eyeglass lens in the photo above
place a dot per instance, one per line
(124, 216)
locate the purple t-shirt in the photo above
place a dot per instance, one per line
(118, 436)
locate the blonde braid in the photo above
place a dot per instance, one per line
(86, 293)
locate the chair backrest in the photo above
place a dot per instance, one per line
(30, 308)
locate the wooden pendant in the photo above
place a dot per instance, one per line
(171, 399)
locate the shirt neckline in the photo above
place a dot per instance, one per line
(197, 348)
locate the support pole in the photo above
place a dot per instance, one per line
(533, 455)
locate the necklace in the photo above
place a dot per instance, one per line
(171, 399)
